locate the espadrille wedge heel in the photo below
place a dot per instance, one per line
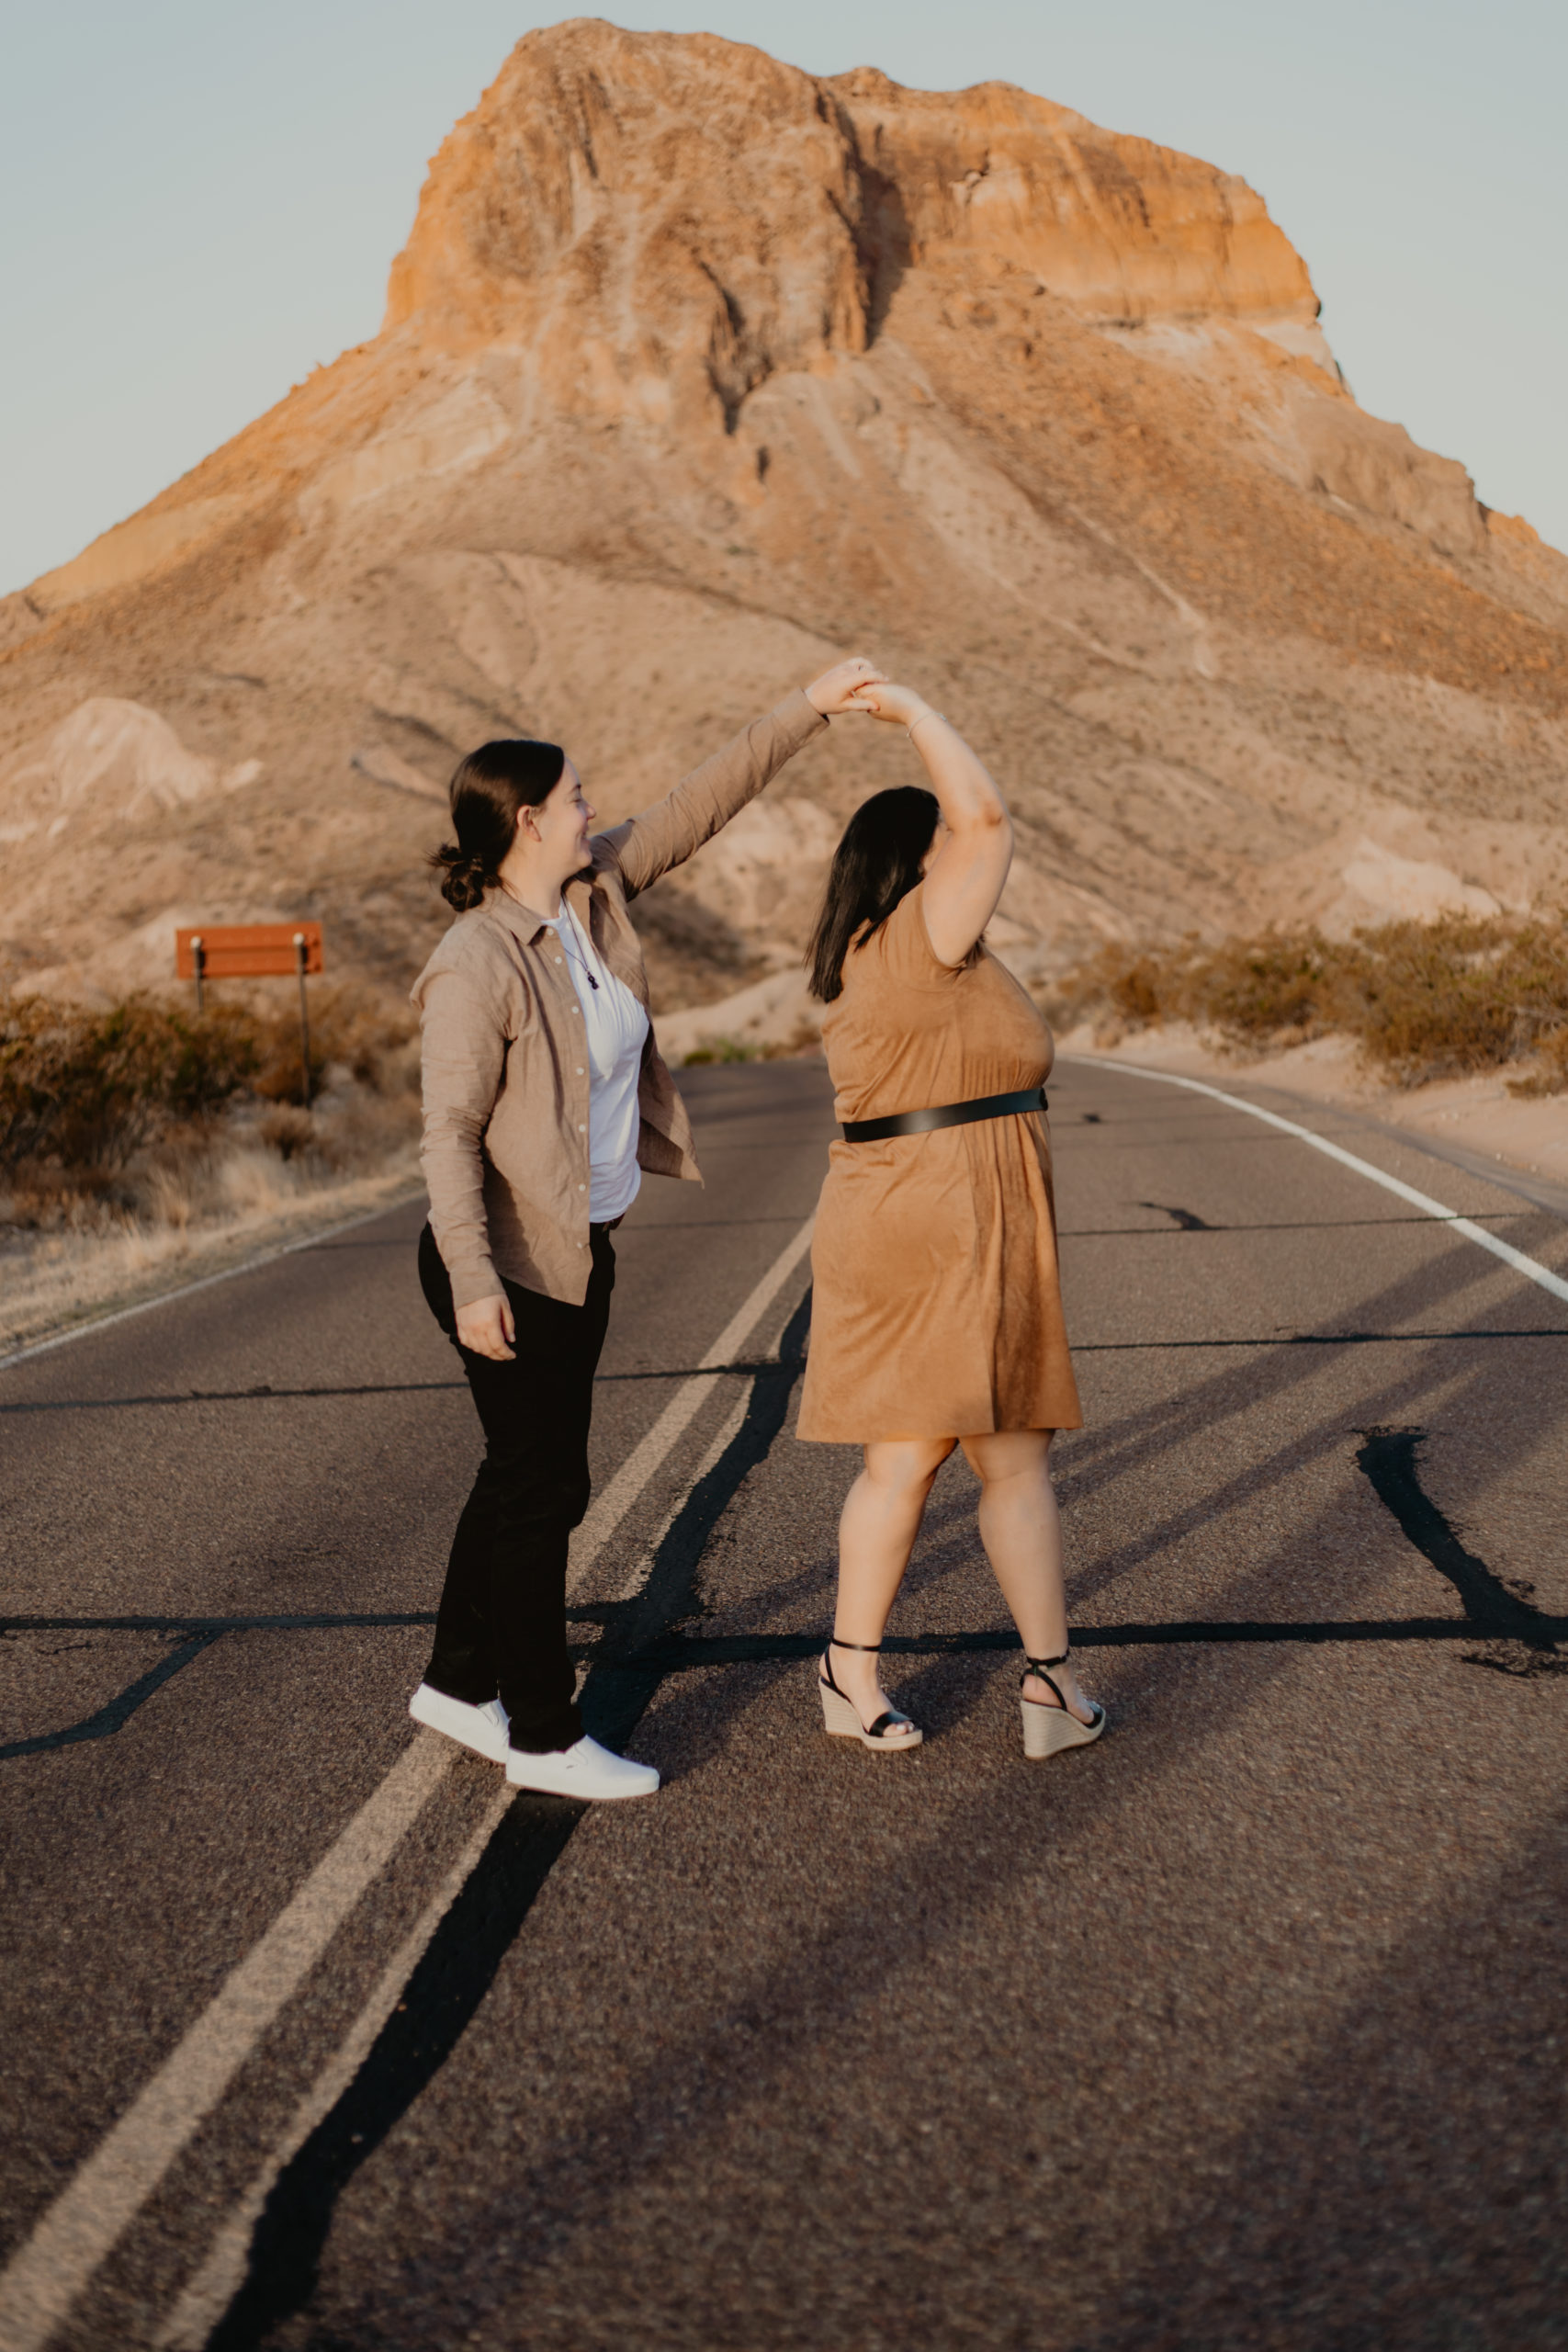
(1046, 1729)
(889, 1733)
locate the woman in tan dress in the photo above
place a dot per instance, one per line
(936, 1315)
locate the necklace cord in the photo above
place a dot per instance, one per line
(565, 917)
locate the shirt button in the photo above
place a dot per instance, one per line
(582, 1188)
(579, 1071)
(558, 959)
(580, 1128)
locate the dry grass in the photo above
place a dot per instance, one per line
(53, 1277)
(140, 1143)
(802, 1041)
(1422, 1000)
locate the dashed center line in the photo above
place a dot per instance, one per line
(49, 2271)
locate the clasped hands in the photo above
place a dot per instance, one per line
(859, 685)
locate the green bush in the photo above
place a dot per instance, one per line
(1424, 1000)
(721, 1049)
(89, 1088)
(362, 1034)
(85, 1091)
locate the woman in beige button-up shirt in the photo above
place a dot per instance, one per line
(542, 963)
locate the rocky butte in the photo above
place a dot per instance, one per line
(696, 370)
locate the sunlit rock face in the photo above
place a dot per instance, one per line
(654, 219)
(697, 370)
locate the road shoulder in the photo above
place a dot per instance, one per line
(1471, 1123)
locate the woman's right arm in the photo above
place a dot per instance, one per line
(965, 877)
(463, 1056)
(667, 835)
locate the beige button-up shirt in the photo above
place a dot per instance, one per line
(506, 1079)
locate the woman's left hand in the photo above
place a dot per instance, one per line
(835, 690)
(884, 699)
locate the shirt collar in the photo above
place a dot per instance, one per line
(521, 920)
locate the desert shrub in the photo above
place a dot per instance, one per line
(88, 1088)
(721, 1049)
(804, 1038)
(1424, 1000)
(1135, 986)
(1550, 1073)
(371, 1039)
(1433, 1001)
(1253, 991)
(1288, 984)
(1132, 985)
(87, 1096)
(287, 1130)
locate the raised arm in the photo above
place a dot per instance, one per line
(974, 843)
(667, 835)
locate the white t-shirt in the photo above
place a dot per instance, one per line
(616, 1027)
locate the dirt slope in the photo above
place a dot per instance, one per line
(696, 370)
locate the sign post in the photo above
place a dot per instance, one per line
(301, 960)
(251, 951)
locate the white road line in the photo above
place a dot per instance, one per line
(41, 2282)
(204, 1282)
(212, 2287)
(1531, 1268)
(607, 1511)
(79, 2229)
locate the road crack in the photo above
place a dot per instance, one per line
(1519, 1639)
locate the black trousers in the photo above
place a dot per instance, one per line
(502, 1626)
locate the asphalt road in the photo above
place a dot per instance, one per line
(1243, 2029)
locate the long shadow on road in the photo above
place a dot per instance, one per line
(460, 1962)
(835, 1964)
(858, 1938)
(872, 1945)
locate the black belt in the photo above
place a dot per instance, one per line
(945, 1115)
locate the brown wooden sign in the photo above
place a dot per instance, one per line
(246, 950)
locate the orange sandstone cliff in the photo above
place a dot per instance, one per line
(697, 370)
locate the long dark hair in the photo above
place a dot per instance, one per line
(487, 792)
(876, 864)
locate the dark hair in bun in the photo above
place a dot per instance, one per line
(489, 791)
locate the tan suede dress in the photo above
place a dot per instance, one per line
(936, 1307)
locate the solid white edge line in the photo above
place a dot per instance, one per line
(203, 1282)
(1532, 1269)
(75, 2235)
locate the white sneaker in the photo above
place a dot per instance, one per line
(585, 1770)
(484, 1729)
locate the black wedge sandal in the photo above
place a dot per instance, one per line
(1046, 1729)
(890, 1732)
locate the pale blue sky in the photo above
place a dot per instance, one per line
(201, 199)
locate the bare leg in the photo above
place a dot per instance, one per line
(1022, 1530)
(877, 1527)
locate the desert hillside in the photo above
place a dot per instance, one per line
(697, 370)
